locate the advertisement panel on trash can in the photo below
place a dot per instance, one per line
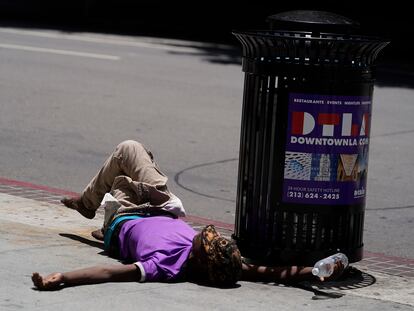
(326, 156)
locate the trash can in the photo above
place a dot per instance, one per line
(304, 138)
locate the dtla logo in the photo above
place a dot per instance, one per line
(329, 127)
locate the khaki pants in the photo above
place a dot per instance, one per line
(131, 176)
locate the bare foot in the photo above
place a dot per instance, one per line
(50, 282)
(98, 234)
(77, 205)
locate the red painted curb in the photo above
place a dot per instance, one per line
(190, 218)
(388, 258)
(23, 184)
(206, 221)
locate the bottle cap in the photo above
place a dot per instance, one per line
(315, 271)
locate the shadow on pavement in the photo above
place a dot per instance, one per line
(78, 238)
(395, 74)
(351, 279)
(395, 67)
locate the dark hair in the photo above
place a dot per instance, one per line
(221, 257)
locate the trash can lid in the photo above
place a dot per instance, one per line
(309, 20)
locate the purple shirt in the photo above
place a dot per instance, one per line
(159, 246)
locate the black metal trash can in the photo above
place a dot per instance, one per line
(304, 138)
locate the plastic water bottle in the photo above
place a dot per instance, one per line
(325, 267)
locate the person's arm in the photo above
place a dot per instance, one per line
(285, 274)
(268, 274)
(91, 275)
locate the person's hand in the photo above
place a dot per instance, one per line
(338, 271)
(50, 282)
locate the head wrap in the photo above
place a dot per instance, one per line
(222, 258)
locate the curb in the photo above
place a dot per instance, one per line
(375, 262)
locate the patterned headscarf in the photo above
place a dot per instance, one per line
(223, 259)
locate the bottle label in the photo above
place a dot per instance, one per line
(326, 155)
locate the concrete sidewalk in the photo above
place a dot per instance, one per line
(39, 234)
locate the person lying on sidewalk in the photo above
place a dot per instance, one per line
(142, 229)
(163, 249)
(136, 186)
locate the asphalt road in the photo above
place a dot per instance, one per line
(67, 99)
